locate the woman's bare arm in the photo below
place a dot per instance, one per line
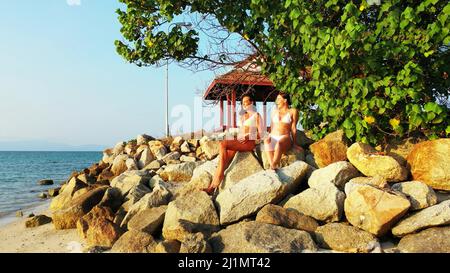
(294, 127)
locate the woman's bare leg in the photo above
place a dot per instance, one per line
(226, 156)
(269, 151)
(283, 145)
(228, 149)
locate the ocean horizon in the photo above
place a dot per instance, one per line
(20, 172)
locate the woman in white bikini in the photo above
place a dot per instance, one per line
(283, 130)
(250, 129)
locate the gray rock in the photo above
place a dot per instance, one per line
(43, 195)
(324, 203)
(178, 172)
(113, 199)
(168, 246)
(437, 215)
(256, 237)
(342, 237)
(129, 179)
(134, 242)
(288, 218)
(171, 156)
(419, 194)
(158, 197)
(432, 240)
(190, 214)
(38, 220)
(54, 192)
(248, 196)
(337, 173)
(45, 182)
(67, 218)
(243, 165)
(195, 243)
(148, 220)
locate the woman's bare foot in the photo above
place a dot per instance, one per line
(273, 166)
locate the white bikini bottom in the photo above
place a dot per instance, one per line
(274, 139)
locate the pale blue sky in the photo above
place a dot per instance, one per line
(61, 79)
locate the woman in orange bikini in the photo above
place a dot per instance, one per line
(283, 130)
(250, 130)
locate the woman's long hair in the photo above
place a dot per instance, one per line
(286, 96)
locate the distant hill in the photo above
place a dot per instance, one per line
(42, 145)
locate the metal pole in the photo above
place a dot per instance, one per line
(167, 98)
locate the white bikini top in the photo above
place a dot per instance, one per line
(250, 122)
(286, 118)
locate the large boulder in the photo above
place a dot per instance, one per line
(119, 164)
(66, 194)
(303, 140)
(401, 148)
(171, 157)
(176, 144)
(158, 197)
(97, 227)
(432, 240)
(143, 139)
(108, 156)
(368, 162)
(178, 172)
(324, 203)
(257, 237)
(332, 148)
(158, 149)
(195, 243)
(119, 148)
(67, 218)
(37, 220)
(342, 237)
(190, 214)
(136, 193)
(243, 165)
(168, 246)
(419, 194)
(437, 215)
(377, 181)
(374, 210)
(145, 158)
(201, 178)
(210, 148)
(337, 173)
(134, 241)
(130, 148)
(286, 159)
(288, 218)
(131, 164)
(112, 199)
(429, 162)
(248, 196)
(292, 176)
(129, 179)
(148, 220)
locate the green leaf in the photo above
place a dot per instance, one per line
(447, 130)
(349, 133)
(287, 4)
(295, 13)
(309, 20)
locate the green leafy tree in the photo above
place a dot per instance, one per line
(372, 68)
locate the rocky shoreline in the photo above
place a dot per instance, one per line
(144, 196)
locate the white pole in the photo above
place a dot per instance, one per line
(167, 98)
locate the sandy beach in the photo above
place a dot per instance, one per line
(16, 238)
